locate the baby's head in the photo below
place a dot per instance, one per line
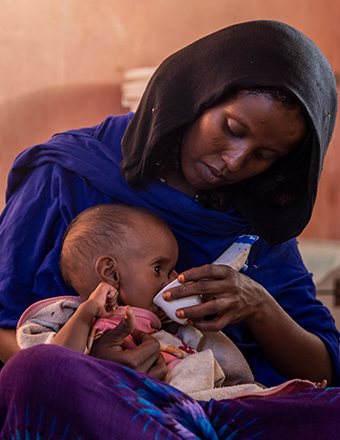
(130, 248)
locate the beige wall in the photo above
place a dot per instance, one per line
(62, 62)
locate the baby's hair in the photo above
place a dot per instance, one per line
(94, 232)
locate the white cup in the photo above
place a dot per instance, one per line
(170, 307)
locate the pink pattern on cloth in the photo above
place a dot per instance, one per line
(148, 322)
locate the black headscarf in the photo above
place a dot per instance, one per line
(279, 202)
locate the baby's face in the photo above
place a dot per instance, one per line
(147, 265)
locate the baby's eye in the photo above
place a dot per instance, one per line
(157, 269)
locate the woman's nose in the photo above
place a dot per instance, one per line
(234, 160)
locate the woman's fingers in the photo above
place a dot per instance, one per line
(205, 280)
(225, 310)
(146, 353)
(226, 293)
(124, 328)
(216, 324)
(141, 358)
(207, 271)
(108, 346)
(194, 312)
(159, 369)
(144, 358)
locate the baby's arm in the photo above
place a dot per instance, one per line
(101, 303)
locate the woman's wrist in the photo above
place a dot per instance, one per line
(262, 307)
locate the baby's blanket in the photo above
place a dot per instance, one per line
(200, 375)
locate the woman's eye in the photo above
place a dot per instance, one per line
(235, 129)
(260, 155)
(230, 131)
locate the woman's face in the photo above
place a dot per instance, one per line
(238, 139)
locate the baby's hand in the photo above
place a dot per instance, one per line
(105, 299)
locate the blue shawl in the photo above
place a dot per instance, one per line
(49, 184)
(278, 202)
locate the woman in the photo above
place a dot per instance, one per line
(229, 139)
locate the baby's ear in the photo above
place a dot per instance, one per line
(107, 270)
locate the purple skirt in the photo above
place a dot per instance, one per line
(50, 392)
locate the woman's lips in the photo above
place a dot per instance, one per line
(216, 172)
(213, 175)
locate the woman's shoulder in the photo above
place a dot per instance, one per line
(113, 127)
(82, 151)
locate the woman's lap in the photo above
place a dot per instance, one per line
(53, 392)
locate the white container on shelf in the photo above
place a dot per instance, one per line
(133, 86)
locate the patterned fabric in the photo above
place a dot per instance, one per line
(47, 392)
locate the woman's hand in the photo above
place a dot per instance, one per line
(145, 358)
(234, 297)
(231, 295)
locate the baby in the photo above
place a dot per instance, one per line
(118, 258)
(132, 253)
